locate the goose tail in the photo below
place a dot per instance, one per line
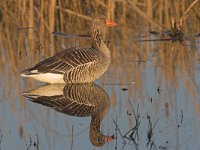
(29, 72)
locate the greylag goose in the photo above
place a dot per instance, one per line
(81, 100)
(76, 64)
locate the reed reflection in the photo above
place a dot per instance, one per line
(80, 100)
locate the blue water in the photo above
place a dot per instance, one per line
(27, 125)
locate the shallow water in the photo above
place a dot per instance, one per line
(167, 113)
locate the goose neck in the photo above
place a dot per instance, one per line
(98, 43)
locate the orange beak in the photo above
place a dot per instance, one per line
(110, 23)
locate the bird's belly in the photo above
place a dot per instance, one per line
(86, 74)
(49, 77)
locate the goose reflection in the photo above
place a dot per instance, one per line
(81, 100)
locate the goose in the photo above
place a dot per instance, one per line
(76, 64)
(80, 100)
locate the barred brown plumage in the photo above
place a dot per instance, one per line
(76, 64)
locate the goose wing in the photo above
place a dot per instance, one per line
(65, 60)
